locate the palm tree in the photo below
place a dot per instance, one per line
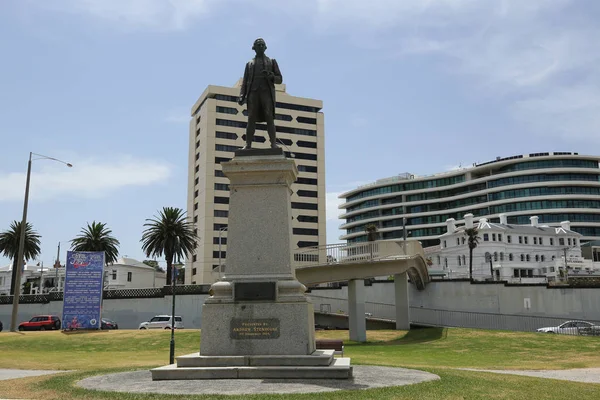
(371, 230)
(97, 237)
(9, 246)
(473, 241)
(170, 234)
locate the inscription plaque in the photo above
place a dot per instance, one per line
(248, 291)
(254, 328)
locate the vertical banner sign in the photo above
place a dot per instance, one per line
(83, 290)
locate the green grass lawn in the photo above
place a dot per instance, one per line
(439, 351)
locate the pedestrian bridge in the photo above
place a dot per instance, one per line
(359, 261)
(345, 262)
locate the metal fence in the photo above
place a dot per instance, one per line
(113, 294)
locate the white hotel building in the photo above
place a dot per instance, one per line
(556, 187)
(523, 253)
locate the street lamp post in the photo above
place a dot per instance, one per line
(220, 264)
(20, 261)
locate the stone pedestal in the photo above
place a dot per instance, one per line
(258, 323)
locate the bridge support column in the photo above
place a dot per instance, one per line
(402, 301)
(356, 310)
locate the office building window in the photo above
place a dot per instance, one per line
(221, 200)
(486, 237)
(309, 145)
(534, 240)
(114, 274)
(221, 186)
(129, 276)
(307, 193)
(306, 120)
(306, 181)
(508, 239)
(305, 206)
(226, 135)
(307, 168)
(305, 231)
(221, 213)
(308, 218)
(194, 259)
(526, 240)
(194, 271)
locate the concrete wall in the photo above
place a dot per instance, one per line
(127, 313)
(476, 298)
(520, 301)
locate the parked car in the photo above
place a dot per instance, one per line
(41, 323)
(162, 322)
(573, 328)
(108, 324)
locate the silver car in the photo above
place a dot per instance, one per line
(573, 328)
(162, 322)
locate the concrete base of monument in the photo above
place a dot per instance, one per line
(257, 328)
(319, 365)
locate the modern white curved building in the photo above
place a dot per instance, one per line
(556, 187)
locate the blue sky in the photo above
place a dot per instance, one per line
(418, 86)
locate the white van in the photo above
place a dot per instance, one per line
(162, 322)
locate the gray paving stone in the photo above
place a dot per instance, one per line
(364, 377)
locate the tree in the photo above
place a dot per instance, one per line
(153, 264)
(473, 241)
(371, 230)
(9, 246)
(169, 234)
(97, 237)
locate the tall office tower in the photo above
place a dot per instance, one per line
(217, 129)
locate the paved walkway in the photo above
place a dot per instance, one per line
(24, 373)
(586, 375)
(364, 377)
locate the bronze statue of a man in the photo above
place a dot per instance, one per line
(258, 90)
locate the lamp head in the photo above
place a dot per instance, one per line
(69, 165)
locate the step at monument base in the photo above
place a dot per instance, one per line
(319, 365)
(320, 358)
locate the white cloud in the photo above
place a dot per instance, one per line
(156, 14)
(540, 56)
(179, 116)
(87, 178)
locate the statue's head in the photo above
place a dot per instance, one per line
(259, 46)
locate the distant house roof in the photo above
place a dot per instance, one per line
(526, 229)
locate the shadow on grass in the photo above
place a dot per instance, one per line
(418, 335)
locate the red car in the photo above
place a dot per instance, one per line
(41, 323)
